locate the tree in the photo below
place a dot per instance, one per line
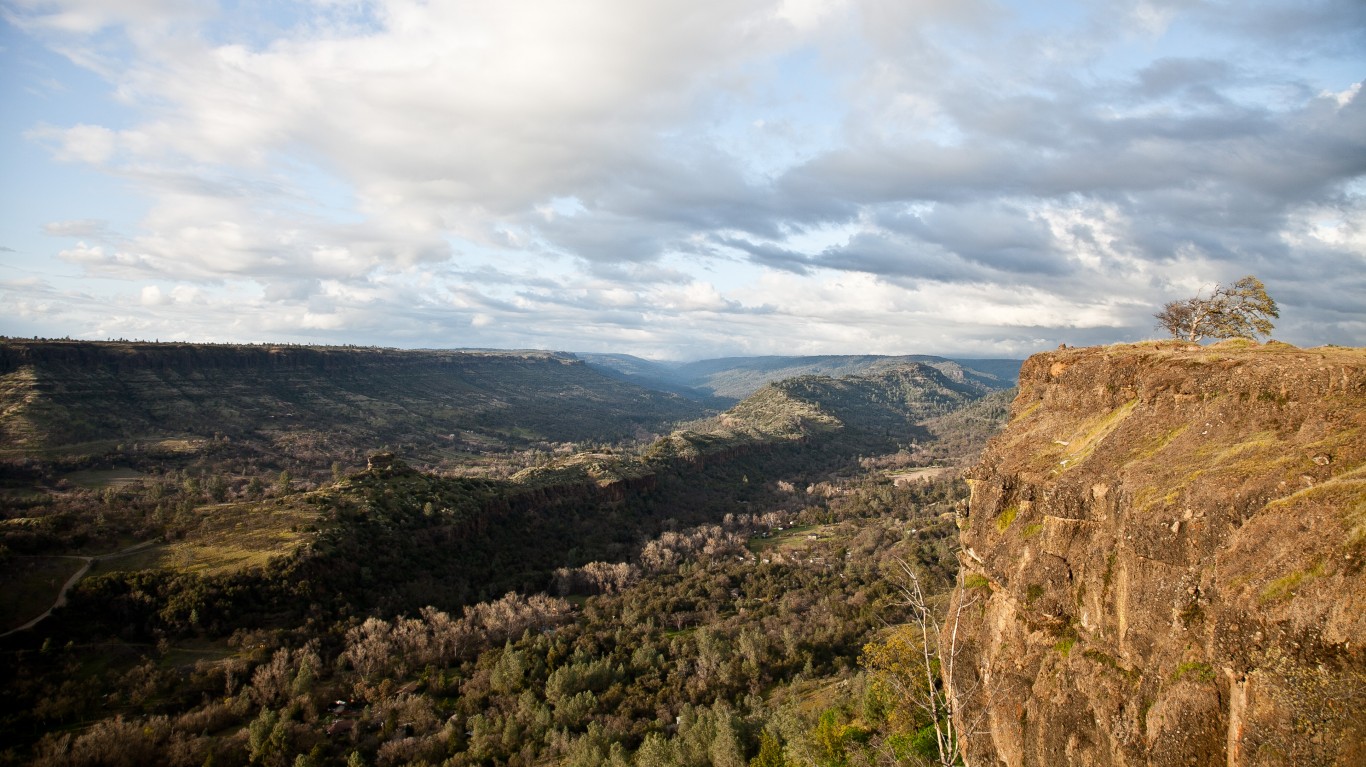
(1241, 310)
(770, 752)
(919, 663)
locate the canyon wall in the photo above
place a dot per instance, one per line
(55, 394)
(1163, 562)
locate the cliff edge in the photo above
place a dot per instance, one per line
(1164, 553)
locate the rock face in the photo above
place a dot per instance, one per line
(1164, 553)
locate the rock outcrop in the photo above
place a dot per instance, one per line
(1164, 553)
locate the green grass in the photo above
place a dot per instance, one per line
(791, 538)
(1288, 585)
(1196, 670)
(190, 651)
(1159, 443)
(1006, 518)
(1093, 432)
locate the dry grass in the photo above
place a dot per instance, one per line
(1093, 431)
(902, 476)
(230, 538)
(1347, 491)
(1287, 585)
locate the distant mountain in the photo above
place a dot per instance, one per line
(734, 378)
(58, 395)
(661, 376)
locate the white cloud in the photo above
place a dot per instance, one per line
(651, 173)
(86, 227)
(92, 144)
(1345, 96)
(88, 16)
(152, 296)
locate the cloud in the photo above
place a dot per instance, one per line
(152, 296)
(691, 175)
(85, 227)
(84, 17)
(92, 144)
(1175, 76)
(767, 254)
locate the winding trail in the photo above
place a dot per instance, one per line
(61, 595)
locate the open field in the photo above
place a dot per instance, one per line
(794, 538)
(925, 474)
(188, 652)
(95, 479)
(29, 584)
(230, 537)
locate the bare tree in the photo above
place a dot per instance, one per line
(923, 670)
(1240, 310)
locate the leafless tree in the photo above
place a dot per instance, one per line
(927, 674)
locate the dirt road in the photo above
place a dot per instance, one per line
(61, 595)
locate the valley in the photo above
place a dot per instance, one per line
(1145, 552)
(267, 551)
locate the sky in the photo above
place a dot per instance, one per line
(677, 179)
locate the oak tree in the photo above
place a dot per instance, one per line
(1240, 310)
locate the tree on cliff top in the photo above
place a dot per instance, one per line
(1240, 310)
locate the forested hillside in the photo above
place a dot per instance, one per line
(310, 404)
(707, 598)
(731, 379)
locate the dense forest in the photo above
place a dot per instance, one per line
(737, 592)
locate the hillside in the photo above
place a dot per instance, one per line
(477, 537)
(735, 378)
(886, 403)
(71, 397)
(1164, 552)
(730, 575)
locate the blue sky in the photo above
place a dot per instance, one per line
(677, 179)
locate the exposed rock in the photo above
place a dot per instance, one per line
(1173, 537)
(380, 461)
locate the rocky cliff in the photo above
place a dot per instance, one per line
(1163, 562)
